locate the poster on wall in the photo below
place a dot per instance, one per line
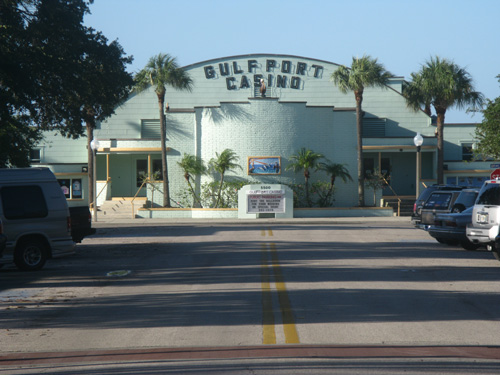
(65, 187)
(259, 165)
(76, 188)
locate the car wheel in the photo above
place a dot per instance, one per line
(30, 255)
(467, 245)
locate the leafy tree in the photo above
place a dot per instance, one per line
(375, 181)
(335, 170)
(488, 131)
(364, 72)
(161, 71)
(227, 160)
(55, 73)
(192, 166)
(442, 84)
(305, 160)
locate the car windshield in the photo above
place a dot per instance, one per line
(489, 195)
(438, 201)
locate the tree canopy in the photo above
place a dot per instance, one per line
(488, 131)
(441, 84)
(55, 73)
(161, 71)
(364, 72)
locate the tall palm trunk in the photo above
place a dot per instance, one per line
(163, 133)
(359, 127)
(440, 144)
(220, 190)
(306, 177)
(195, 197)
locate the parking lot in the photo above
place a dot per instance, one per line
(191, 284)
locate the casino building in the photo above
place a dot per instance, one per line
(225, 109)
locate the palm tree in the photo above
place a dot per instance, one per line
(442, 84)
(364, 72)
(162, 71)
(305, 160)
(192, 166)
(335, 170)
(225, 161)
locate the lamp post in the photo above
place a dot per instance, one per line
(94, 145)
(418, 141)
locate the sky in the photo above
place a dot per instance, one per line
(402, 34)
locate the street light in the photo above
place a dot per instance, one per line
(94, 145)
(418, 141)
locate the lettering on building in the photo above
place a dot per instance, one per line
(280, 74)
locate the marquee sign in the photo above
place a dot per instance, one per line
(277, 73)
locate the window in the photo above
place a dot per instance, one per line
(490, 195)
(467, 151)
(438, 201)
(23, 202)
(157, 170)
(141, 172)
(373, 127)
(150, 129)
(35, 155)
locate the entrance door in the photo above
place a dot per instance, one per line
(126, 173)
(141, 173)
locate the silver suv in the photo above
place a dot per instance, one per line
(485, 225)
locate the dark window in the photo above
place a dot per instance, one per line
(150, 129)
(35, 155)
(141, 171)
(23, 202)
(467, 151)
(438, 201)
(490, 195)
(373, 127)
(157, 170)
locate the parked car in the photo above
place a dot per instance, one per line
(35, 216)
(3, 240)
(81, 223)
(485, 225)
(438, 202)
(465, 199)
(450, 229)
(416, 216)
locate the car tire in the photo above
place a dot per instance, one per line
(30, 255)
(467, 245)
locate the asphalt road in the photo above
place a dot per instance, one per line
(150, 296)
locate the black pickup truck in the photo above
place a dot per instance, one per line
(81, 223)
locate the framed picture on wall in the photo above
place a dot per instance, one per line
(76, 188)
(264, 165)
(65, 187)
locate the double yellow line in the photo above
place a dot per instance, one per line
(270, 262)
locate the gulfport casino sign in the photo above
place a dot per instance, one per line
(277, 73)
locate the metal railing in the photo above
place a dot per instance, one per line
(395, 194)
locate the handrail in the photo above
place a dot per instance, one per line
(147, 180)
(395, 194)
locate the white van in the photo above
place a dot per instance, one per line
(35, 217)
(485, 225)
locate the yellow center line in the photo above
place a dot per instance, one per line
(268, 323)
(269, 334)
(291, 335)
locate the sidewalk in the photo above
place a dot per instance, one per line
(103, 221)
